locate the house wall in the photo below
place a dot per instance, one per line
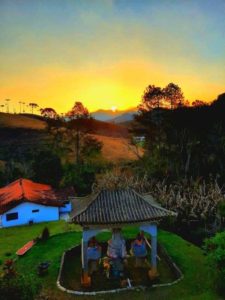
(66, 208)
(25, 214)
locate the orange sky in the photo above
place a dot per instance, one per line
(105, 53)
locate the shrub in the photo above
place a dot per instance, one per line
(215, 248)
(45, 234)
(18, 287)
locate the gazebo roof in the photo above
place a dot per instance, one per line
(124, 206)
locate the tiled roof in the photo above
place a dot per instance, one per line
(117, 207)
(24, 190)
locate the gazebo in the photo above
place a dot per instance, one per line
(113, 209)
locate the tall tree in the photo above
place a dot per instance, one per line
(77, 113)
(152, 98)
(33, 106)
(173, 95)
(48, 112)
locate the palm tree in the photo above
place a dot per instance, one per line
(33, 105)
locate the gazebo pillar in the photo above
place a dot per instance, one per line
(86, 235)
(152, 230)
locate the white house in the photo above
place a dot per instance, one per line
(25, 202)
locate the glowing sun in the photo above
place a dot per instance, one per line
(113, 108)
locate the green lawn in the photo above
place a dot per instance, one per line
(195, 285)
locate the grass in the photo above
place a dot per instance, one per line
(195, 285)
(117, 149)
(11, 239)
(20, 121)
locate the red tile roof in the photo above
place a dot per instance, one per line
(24, 190)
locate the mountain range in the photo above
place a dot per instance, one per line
(118, 116)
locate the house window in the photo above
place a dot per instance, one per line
(35, 210)
(12, 216)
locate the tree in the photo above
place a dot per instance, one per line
(197, 103)
(78, 111)
(151, 99)
(33, 106)
(91, 147)
(80, 176)
(48, 112)
(173, 95)
(47, 168)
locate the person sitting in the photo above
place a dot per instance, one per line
(116, 245)
(117, 253)
(138, 247)
(93, 254)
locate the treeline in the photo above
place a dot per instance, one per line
(182, 141)
(64, 155)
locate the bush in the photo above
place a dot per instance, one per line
(80, 176)
(45, 234)
(47, 168)
(215, 248)
(18, 287)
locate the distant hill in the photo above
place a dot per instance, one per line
(25, 131)
(126, 117)
(22, 121)
(109, 115)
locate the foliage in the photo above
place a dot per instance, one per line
(198, 103)
(33, 106)
(156, 97)
(19, 287)
(198, 204)
(80, 176)
(184, 141)
(49, 112)
(215, 248)
(91, 148)
(173, 95)
(47, 168)
(78, 111)
(152, 98)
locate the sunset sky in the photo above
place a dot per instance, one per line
(105, 52)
